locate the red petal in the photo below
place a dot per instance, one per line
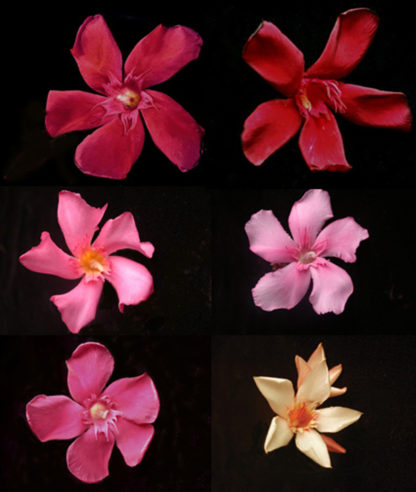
(332, 445)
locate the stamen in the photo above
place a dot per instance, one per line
(301, 418)
(129, 98)
(99, 411)
(93, 262)
(307, 257)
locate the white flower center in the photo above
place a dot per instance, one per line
(307, 257)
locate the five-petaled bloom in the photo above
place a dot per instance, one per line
(124, 98)
(296, 261)
(120, 414)
(93, 261)
(314, 95)
(298, 415)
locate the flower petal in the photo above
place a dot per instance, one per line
(47, 258)
(174, 131)
(97, 54)
(332, 445)
(78, 220)
(372, 107)
(272, 55)
(132, 281)
(317, 356)
(282, 289)
(332, 286)
(334, 419)
(349, 40)
(278, 392)
(337, 391)
(122, 233)
(269, 126)
(136, 398)
(279, 435)
(133, 440)
(302, 368)
(54, 417)
(312, 444)
(88, 456)
(162, 53)
(268, 239)
(89, 368)
(316, 387)
(110, 151)
(79, 305)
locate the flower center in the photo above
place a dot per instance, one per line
(301, 418)
(315, 96)
(93, 262)
(99, 411)
(129, 98)
(307, 257)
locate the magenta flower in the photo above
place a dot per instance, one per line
(299, 260)
(93, 261)
(315, 94)
(125, 98)
(120, 414)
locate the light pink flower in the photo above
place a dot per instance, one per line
(91, 260)
(120, 414)
(299, 260)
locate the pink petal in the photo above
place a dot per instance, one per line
(122, 233)
(349, 40)
(47, 258)
(133, 440)
(162, 53)
(97, 54)
(332, 286)
(341, 238)
(136, 398)
(308, 215)
(87, 457)
(272, 55)
(110, 151)
(89, 368)
(173, 131)
(79, 305)
(269, 126)
(366, 106)
(78, 220)
(321, 144)
(132, 281)
(67, 111)
(268, 239)
(282, 289)
(54, 417)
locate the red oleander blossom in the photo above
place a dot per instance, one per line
(314, 95)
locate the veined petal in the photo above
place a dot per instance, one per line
(349, 40)
(316, 387)
(268, 239)
(312, 444)
(278, 435)
(97, 54)
(174, 131)
(278, 392)
(269, 126)
(334, 419)
(162, 53)
(133, 440)
(47, 258)
(89, 368)
(54, 417)
(273, 56)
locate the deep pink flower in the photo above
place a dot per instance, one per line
(125, 99)
(299, 260)
(93, 261)
(313, 96)
(120, 414)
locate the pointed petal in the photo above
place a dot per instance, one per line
(133, 440)
(282, 289)
(278, 392)
(332, 286)
(349, 40)
(315, 388)
(273, 56)
(317, 356)
(88, 456)
(54, 417)
(337, 391)
(335, 373)
(312, 444)
(334, 419)
(162, 53)
(332, 445)
(278, 435)
(97, 54)
(174, 131)
(268, 128)
(302, 368)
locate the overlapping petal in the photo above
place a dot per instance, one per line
(133, 440)
(278, 392)
(278, 435)
(315, 388)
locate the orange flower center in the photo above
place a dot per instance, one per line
(99, 411)
(301, 417)
(93, 262)
(129, 98)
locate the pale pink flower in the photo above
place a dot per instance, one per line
(99, 418)
(91, 260)
(299, 260)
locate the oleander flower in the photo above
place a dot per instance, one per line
(315, 94)
(121, 414)
(125, 98)
(299, 260)
(92, 261)
(298, 415)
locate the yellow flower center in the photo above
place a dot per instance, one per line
(99, 411)
(305, 101)
(129, 98)
(93, 262)
(301, 417)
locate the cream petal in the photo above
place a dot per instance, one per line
(278, 392)
(312, 444)
(279, 435)
(315, 388)
(318, 355)
(334, 419)
(303, 369)
(334, 373)
(337, 391)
